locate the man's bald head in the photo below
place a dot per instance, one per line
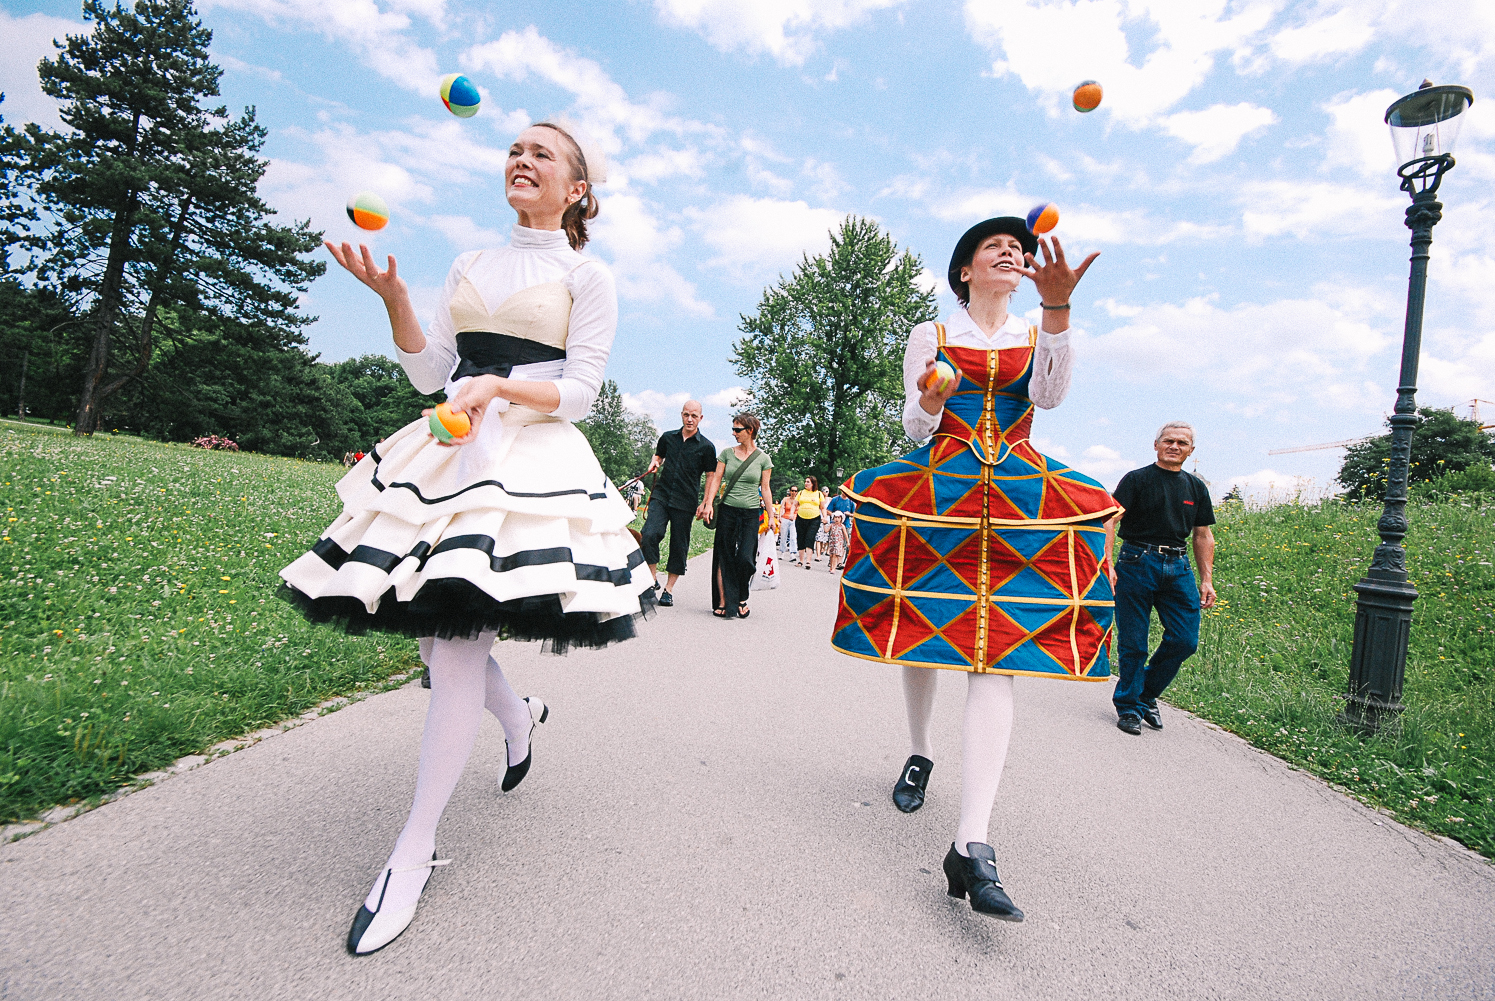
(692, 407)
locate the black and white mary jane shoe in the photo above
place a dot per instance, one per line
(539, 712)
(373, 930)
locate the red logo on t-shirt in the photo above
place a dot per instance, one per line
(1188, 502)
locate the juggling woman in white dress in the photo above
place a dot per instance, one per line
(512, 529)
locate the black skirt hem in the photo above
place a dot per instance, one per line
(455, 608)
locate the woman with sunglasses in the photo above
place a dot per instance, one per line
(734, 558)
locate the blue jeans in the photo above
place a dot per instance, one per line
(1146, 580)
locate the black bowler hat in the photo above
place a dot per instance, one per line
(965, 249)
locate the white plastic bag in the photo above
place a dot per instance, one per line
(767, 577)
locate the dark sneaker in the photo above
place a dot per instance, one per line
(1130, 724)
(666, 599)
(1151, 718)
(655, 587)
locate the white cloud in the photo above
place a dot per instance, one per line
(28, 40)
(602, 105)
(1318, 209)
(1254, 358)
(1052, 47)
(629, 232)
(377, 36)
(1340, 34)
(661, 408)
(464, 234)
(756, 235)
(1357, 135)
(732, 396)
(1267, 487)
(782, 29)
(1104, 464)
(1216, 131)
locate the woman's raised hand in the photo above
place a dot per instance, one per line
(473, 400)
(1054, 277)
(361, 265)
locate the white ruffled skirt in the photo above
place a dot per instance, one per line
(519, 531)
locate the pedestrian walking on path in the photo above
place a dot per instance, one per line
(840, 541)
(503, 529)
(975, 553)
(682, 457)
(1164, 507)
(809, 506)
(735, 514)
(786, 522)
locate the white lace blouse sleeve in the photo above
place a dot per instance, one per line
(429, 367)
(589, 339)
(1053, 361)
(923, 342)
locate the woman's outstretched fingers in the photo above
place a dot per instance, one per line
(1080, 271)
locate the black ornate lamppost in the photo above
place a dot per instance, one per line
(1424, 125)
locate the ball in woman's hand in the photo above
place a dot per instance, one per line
(448, 424)
(459, 95)
(368, 211)
(943, 378)
(1042, 218)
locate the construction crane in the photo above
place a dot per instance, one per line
(1328, 444)
(1473, 415)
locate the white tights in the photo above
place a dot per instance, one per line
(983, 742)
(465, 679)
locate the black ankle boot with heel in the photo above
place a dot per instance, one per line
(976, 875)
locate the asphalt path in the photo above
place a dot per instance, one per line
(709, 817)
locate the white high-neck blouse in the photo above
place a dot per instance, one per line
(533, 257)
(1053, 361)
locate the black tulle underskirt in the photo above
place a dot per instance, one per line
(458, 609)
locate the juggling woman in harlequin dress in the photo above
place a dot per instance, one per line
(512, 528)
(975, 553)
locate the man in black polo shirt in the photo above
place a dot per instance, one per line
(684, 455)
(1164, 507)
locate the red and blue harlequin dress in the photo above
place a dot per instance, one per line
(975, 552)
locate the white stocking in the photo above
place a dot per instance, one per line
(918, 695)
(512, 711)
(507, 707)
(983, 743)
(458, 683)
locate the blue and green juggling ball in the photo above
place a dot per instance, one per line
(459, 95)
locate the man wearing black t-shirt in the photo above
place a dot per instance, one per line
(683, 455)
(1164, 507)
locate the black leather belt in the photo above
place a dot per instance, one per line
(1165, 550)
(485, 353)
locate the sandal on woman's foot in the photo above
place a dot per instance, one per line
(720, 613)
(742, 610)
(373, 930)
(539, 712)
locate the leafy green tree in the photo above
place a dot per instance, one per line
(823, 356)
(17, 210)
(622, 441)
(39, 352)
(148, 204)
(1442, 443)
(386, 400)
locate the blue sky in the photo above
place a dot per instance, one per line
(1238, 180)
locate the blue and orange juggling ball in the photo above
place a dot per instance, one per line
(1042, 218)
(1087, 96)
(459, 95)
(447, 424)
(368, 211)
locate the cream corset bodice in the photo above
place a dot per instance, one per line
(527, 328)
(539, 313)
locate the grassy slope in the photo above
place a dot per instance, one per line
(137, 617)
(1274, 657)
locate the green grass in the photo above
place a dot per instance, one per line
(137, 617)
(701, 540)
(1273, 662)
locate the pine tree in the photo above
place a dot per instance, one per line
(823, 355)
(149, 204)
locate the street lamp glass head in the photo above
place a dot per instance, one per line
(1426, 123)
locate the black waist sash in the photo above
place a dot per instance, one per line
(486, 353)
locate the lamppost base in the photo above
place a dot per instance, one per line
(1378, 661)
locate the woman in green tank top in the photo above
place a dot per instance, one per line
(746, 492)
